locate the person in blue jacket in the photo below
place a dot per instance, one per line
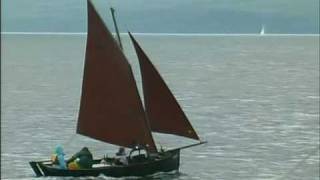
(58, 158)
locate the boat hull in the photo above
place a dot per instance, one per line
(167, 162)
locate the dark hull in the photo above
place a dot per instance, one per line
(167, 162)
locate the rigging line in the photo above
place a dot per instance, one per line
(291, 171)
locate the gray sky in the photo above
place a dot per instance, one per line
(165, 16)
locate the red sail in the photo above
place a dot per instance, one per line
(110, 109)
(163, 111)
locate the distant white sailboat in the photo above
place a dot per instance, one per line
(262, 31)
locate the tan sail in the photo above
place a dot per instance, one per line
(162, 109)
(110, 109)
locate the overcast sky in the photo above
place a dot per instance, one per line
(165, 16)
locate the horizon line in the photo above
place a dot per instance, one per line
(160, 34)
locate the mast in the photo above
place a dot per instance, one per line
(116, 27)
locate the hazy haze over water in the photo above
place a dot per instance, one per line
(166, 16)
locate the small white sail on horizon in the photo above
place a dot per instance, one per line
(262, 31)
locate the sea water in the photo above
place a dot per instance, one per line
(255, 99)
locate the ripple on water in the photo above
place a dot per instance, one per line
(258, 112)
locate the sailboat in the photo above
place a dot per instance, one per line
(262, 31)
(111, 110)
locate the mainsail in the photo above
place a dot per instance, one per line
(162, 109)
(110, 109)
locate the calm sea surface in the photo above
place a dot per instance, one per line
(254, 99)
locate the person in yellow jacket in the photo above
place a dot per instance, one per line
(74, 165)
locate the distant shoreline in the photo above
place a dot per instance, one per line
(153, 34)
